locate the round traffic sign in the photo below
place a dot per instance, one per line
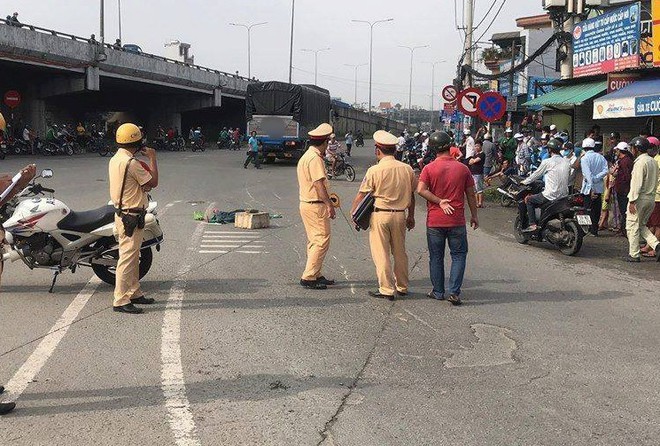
(467, 101)
(12, 99)
(491, 106)
(449, 93)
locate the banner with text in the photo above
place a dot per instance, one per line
(608, 42)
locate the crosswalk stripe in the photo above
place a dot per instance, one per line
(232, 236)
(213, 252)
(230, 246)
(229, 232)
(251, 252)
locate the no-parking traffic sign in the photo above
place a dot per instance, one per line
(467, 101)
(491, 106)
(449, 93)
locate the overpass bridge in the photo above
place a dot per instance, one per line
(63, 77)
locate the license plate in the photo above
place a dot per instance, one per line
(584, 220)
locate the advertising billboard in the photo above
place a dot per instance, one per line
(608, 42)
(655, 31)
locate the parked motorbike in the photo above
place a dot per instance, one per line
(57, 147)
(563, 223)
(197, 144)
(45, 233)
(341, 168)
(359, 141)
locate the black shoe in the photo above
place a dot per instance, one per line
(324, 281)
(632, 259)
(5, 408)
(128, 308)
(454, 300)
(432, 295)
(657, 253)
(2, 390)
(402, 293)
(313, 284)
(379, 295)
(143, 300)
(244, 167)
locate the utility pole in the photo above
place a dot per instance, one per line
(433, 64)
(469, 30)
(102, 24)
(371, 50)
(573, 7)
(293, 9)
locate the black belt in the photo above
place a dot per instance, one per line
(388, 210)
(313, 202)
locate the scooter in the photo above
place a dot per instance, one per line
(45, 233)
(563, 223)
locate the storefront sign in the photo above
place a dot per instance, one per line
(616, 81)
(534, 90)
(647, 105)
(608, 42)
(614, 108)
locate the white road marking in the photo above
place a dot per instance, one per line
(277, 196)
(230, 246)
(49, 343)
(168, 206)
(173, 384)
(230, 232)
(213, 252)
(252, 252)
(232, 236)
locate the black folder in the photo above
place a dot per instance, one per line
(363, 212)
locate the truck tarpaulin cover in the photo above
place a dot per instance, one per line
(309, 105)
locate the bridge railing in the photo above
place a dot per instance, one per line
(88, 40)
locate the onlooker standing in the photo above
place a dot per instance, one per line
(468, 144)
(392, 184)
(476, 165)
(568, 152)
(641, 199)
(253, 153)
(523, 155)
(622, 176)
(508, 146)
(490, 153)
(654, 220)
(349, 142)
(445, 183)
(594, 169)
(400, 146)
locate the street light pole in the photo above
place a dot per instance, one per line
(249, 42)
(102, 24)
(433, 64)
(316, 61)
(356, 77)
(412, 53)
(371, 50)
(293, 9)
(119, 16)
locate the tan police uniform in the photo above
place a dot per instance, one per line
(314, 212)
(391, 183)
(643, 185)
(127, 285)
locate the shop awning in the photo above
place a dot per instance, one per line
(568, 96)
(639, 99)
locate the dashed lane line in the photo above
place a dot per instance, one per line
(49, 343)
(173, 384)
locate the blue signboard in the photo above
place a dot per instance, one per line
(534, 91)
(608, 42)
(647, 105)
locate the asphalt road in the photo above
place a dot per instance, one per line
(546, 350)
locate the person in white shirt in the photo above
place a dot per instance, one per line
(468, 144)
(400, 145)
(557, 171)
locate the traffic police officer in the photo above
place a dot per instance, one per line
(392, 184)
(316, 209)
(129, 184)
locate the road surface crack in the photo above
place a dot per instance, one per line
(325, 432)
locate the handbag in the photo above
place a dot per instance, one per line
(363, 212)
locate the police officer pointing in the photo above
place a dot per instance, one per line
(392, 184)
(316, 209)
(129, 183)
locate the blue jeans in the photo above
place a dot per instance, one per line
(456, 238)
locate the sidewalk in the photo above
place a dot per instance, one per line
(606, 251)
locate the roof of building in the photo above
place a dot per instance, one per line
(505, 38)
(569, 96)
(535, 21)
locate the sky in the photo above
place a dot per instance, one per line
(318, 24)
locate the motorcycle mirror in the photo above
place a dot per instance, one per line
(47, 173)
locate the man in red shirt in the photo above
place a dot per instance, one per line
(444, 184)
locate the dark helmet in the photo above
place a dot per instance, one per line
(641, 144)
(439, 140)
(555, 144)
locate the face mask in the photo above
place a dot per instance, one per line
(566, 153)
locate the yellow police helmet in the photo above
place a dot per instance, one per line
(3, 123)
(128, 133)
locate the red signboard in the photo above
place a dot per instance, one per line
(467, 101)
(12, 99)
(450, 108)
(616, 81)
